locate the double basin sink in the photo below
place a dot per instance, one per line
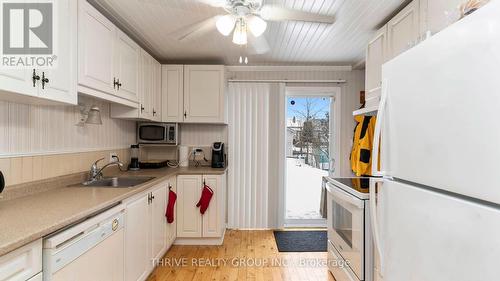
(116, 182)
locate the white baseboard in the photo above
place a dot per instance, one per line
(200, 241)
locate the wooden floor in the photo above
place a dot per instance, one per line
(245, 255)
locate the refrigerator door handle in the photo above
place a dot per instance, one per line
(374, 222)
(378, 131)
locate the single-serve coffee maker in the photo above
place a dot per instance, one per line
(218, 155)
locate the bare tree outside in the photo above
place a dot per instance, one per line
(309, 128)
(308, 137)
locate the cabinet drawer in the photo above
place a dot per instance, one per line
(337, 266)
(22, 263)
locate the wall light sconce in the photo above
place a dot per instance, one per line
(89, 115)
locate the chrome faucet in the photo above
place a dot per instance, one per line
(96, 173)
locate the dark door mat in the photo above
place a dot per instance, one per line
(301, 241)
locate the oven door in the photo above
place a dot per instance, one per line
(151, 133)
(346, 227)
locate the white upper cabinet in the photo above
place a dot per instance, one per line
(60, 83)
(126, 65)
(53, 85)
(96, 45)
(433, 14)
(204, 96)
(146, 91)
(375, 57)
(149, 92)
(172, 85)
(403, 31)
(156, 95)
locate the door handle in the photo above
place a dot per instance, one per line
(378, 131)
(142, 108)
(45, 80)
(35, 77)
(374, 222)
(2, 182)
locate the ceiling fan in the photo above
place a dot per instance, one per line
(246, 20)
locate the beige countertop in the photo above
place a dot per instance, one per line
(32, 217)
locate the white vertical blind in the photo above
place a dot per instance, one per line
(248, 150)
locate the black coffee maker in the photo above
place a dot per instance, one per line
(218, 155)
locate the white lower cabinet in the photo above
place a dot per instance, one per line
(158, 221)
(145, 232)
(193, 227)
(172, 227)
(188, 193)
(213, 222)
(23, 263)
(137, 256)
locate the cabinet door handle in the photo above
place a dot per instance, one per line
(154, 112)
(142, 108)
(45, 80)
(35, 77)
(185, 114)
(119, 84)
(114, 82)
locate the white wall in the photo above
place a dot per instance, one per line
(35, 129)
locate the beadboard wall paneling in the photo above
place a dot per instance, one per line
(25, 169)
(202, 134)
(37, 129)
(355, 82)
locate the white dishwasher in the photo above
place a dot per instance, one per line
(90, 250)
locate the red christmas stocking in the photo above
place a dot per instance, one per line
(206, 196)
(172, 197)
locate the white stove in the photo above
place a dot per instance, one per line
(350, 247)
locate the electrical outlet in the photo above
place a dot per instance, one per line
(197, 151)
(113, 157)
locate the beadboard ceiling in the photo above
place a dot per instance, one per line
(151, 23)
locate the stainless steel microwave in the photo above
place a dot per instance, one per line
(158, 133)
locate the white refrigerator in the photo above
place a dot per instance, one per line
(436, 214)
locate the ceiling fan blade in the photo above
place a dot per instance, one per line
(277, 13)
(196, 29)
(258, 45)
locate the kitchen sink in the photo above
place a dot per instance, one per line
(116, 182)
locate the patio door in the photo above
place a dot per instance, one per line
(311, 150)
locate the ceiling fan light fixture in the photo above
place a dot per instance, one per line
(225, 24)
(240, 33)
(257, 25)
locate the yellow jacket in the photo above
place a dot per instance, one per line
(361, 154)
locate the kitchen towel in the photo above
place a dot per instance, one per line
(206, 196)
(172, 197)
